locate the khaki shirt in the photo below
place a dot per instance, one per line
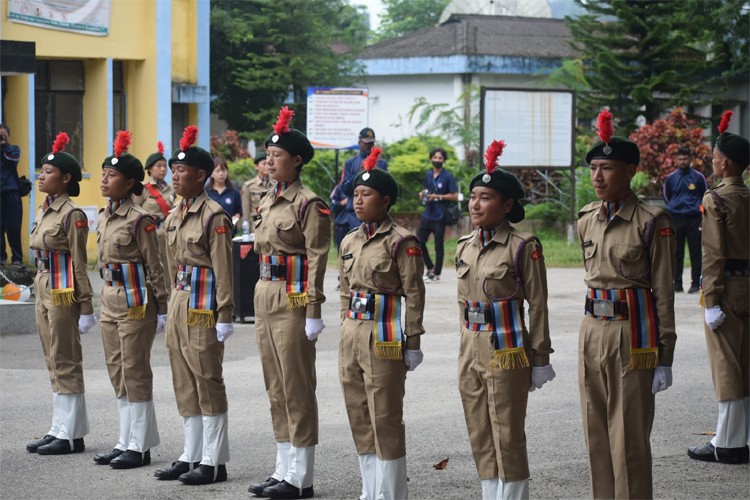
(149, 203)
(252, 192)
(370, 266)
(634, 250)
(490, 270)
(202, 236)
(283, 230)
(129, 235)
(64, 227)
(725, 226)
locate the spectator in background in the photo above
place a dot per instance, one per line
(220, 188)
(10, 199)
(352, 166)
(339, 202)
(683, 192)
(439, 187)
(256, 188)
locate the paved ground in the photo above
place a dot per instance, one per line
(433, 415)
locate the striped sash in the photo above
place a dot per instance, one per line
(295, 275)
(387, 329)
(134, 283)
(60, 265)
(202, 287)
(507, 327)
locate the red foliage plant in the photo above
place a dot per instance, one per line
(660, 141)
(229, 146)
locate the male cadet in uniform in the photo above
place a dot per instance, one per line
(199, 237)
(627, 338)
(254, 189)
(352, 166)
(726, 253)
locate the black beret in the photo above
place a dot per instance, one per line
(367, 134)
(617, 148)
(130, 166)
(735, 147)
(153, 158)
(379, 180)
(293, 142)
(67, 164)
(195, 156)
(259, 157)
(506, 184)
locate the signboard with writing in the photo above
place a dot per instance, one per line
(88, 17)
(335, 115)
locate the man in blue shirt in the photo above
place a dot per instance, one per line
(439, 188)
(352, 166)
(10, 199)
(683, 192)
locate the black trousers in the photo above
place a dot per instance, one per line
(688, 227)
(423, 233)
(11, 214)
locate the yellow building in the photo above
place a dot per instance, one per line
(141, 65)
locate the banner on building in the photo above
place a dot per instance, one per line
(88, 17)
(335, 115)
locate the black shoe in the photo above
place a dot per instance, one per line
(61, 447)
(106, 458)
(705, 453)
(694, 289)
(131, 459)
(257, 489)
(708, 453)
(174, 472)
(678, 287)
(205, 474)
(286, 490)
(32, 446)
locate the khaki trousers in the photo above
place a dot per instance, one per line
(61, 340)
(288, 360)
(495, 409)
(127, 345)
(373, 392)
(196, 357)
(618, 411)
(729, 345)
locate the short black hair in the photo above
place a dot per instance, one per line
(2, 125)
(439, 150)
(683, 151)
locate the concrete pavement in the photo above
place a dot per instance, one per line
(434, 419)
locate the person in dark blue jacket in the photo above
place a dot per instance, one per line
(220, 188)
(352, 166)
(10, 199)
(339, 202)
(683, 192)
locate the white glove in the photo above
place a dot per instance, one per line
(161, 323)
(224, 331)
(662, 379)
(714, 317)
(85, 322)
(540, 375)
(313, 328)
(413, 358)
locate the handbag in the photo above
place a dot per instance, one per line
(451, 214)
(24, 186)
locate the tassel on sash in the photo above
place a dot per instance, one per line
(134, 283)
(644, 350)
(60, 276)
(202, 302)
(295, 277)
(509, 354)
(387, 328)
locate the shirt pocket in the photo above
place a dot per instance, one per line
(195, 243)
(630, 261)
(589, 256)
(499, 282)
(123, 245)
(384, 273)
(290, 233)
(463, 276)
(55, 238)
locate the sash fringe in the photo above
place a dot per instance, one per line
(510, 359)
(644, 359)
(701, 299)
(388, 350)
(295, 300)
(63, 297)
(137, 312)
(200, 317)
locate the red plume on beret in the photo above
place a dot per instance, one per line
(372, 159)
(282, 123)
(160, 148)
(60, 141)
(726, 117)
(122, 142)
(494, 151)
(604, 126)
(189, 136)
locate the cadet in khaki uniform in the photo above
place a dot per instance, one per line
(133, 297)
(63, 298)
(500, 359)
(158, 199)
(627, 338)
(254, 189)
(199, 237)
(726, 254)
(380, 264)
(292, 236)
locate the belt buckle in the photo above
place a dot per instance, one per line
(107, 274)
(41, 265)
(476, 315)
(183, 278)
(265, 270)
(359, 304)
(603, 307)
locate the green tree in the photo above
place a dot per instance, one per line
(402, 17)
(265, 54)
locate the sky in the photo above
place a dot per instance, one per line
(375, 7)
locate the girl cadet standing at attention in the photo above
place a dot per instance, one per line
(292, 236)
(380, 263)
(134, 305)
(63, 298)
(500, 361)
(157, 199)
